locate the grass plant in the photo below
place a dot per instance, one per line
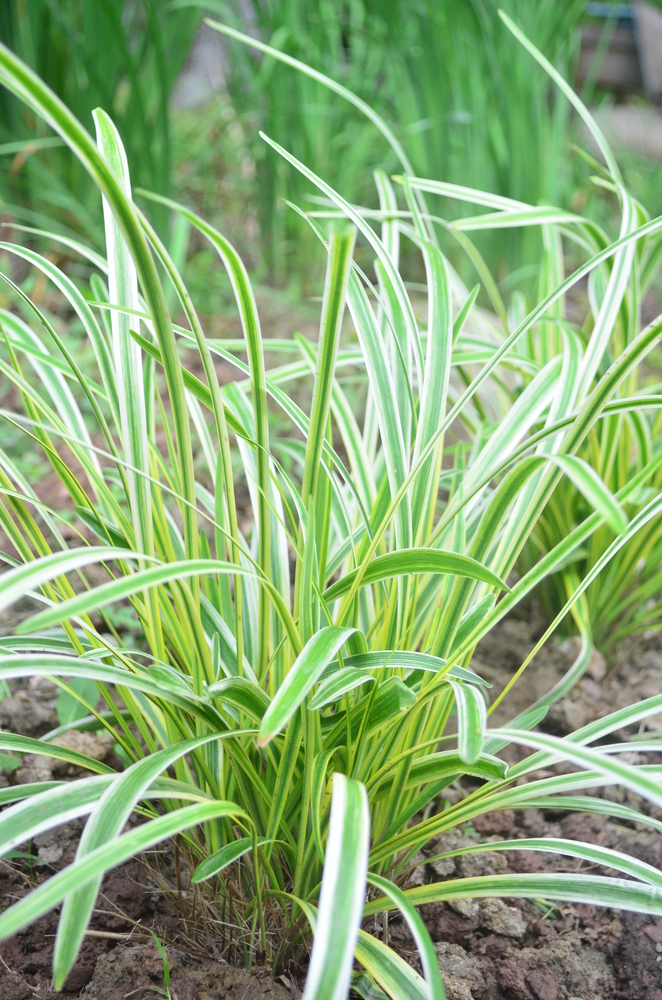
(302, 691)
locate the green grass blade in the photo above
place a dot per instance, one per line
(409, 561)
(443, 765)
(582, 756)
(587, 481)
(168, 688)
(595, 890)
(135, 583)
(435, 383)
(341, 247)
(245, 299)
(419, 932)
(26, 744)
(333, 688)
(588, 119)
(471, 720)
(123, 291)
(49, 808)
(382, 394)
(51, 893)
(316, 655)
(104, 825)
(15, 583)
(243, 693)
(587, 852)
(342, 894)
(400, 981)
(325, 81)
(227, 855)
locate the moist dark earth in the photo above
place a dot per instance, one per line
(487, 949)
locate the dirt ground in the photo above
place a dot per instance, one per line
(487, 949)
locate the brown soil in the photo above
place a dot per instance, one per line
(119, 957)
(487, 949)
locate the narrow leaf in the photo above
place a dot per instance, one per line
(318, 652)
(343, 892)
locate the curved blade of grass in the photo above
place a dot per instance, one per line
(555, 845)
(127, 586)
(446, 764)
(105, 823)
(67, 666)
(524, 217)
(335, 687)
(412, 660)
(315, 656)
(409, 561)
(592, 804)
(51, 893)
(471, 720)
(595, 890)
(43, 805)
(80, 248)
(123, 291)
(26, 744)
(393, 974)
(596, 730)
(582, 756)
(419, 933)
(49, 808)
(342, 894)
(460, 193)
(216, 862)
(15, 793)
(578, 105)
(15, 583)
(320, 78)
(589, 484)
(243, 693)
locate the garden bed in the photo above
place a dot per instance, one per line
(488, 949)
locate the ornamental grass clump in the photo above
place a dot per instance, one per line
(286, 709)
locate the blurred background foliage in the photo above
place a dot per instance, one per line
(122, 55)
(465, 99)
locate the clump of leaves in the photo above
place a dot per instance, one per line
(289, 701)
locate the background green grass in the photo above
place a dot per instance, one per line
(459, 91)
